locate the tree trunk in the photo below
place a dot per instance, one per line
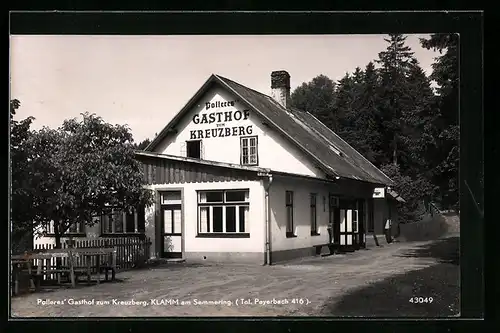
(395, 151)
(57, 237)
(57, 234)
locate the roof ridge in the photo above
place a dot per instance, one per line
(256, 91)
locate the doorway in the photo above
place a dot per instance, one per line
(350, 237)
(361, 223)
(334, 219)
(171, 229)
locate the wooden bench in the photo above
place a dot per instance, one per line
(19, 266)
(331, 247)
(80, 271)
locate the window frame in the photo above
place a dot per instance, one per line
(355, 221)
(224, 204)
(242, 156)
(80, 231)
(289, 206)
(200, 152)
(139, 223)
(313, 209)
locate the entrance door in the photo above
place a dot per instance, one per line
(334, 219)
(361, 224)
(349, 225)
(171, 223)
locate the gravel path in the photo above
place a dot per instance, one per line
(301, 287)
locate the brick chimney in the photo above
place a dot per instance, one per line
(280, 85)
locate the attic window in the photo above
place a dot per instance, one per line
(193, 148)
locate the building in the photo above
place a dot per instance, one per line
(244, 177)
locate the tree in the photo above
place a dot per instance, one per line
(445, 74)
(21, 193)
(412, 190)
(343, 107)
(317, 97)
(141, 145)
(395, 62)
(358, 104)
(82, 170)
(417, 133)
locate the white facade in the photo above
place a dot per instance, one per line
(200, 249)
(239, 142)
(273, 151)
(220, 120)
(91, 232)
(302, 190)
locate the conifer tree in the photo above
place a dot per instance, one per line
(395, 64)
(446, 153)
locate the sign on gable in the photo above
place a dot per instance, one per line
(220, 118)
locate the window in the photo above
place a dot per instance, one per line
(249, 151)
(354, 221)
(130, 222)
(223, 213)
(314, 225)
(193, 149)
(171, 197)
(289, 214)
(76, 228)
(334, 201)
(123, 222)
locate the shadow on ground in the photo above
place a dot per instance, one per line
(443, 250)
(395, 296)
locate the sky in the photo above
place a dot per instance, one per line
(143, 81)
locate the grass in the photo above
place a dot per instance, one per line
(391, 297)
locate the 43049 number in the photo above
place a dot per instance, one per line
(421, 300)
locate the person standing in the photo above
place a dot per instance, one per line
(387, 230)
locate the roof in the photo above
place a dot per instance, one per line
(325, 148)
(259, 170)
(396, 195)
(202, 162)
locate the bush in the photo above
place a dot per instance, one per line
(413, 190)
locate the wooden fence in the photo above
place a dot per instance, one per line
(131, 252)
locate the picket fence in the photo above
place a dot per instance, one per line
(131, 252)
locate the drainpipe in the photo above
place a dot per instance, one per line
(268, 219)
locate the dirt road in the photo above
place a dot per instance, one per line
(300, 287)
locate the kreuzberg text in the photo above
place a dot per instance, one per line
(220, 117)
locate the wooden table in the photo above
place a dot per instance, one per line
(98, 253)
(39, 258)
(71, 254)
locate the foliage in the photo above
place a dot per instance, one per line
(395, 97)
(392, 116)
(21, 193)
(357, 102)
(414, 191)
(445, 123)
(141, 145)
(318, 98)
(79, 171)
